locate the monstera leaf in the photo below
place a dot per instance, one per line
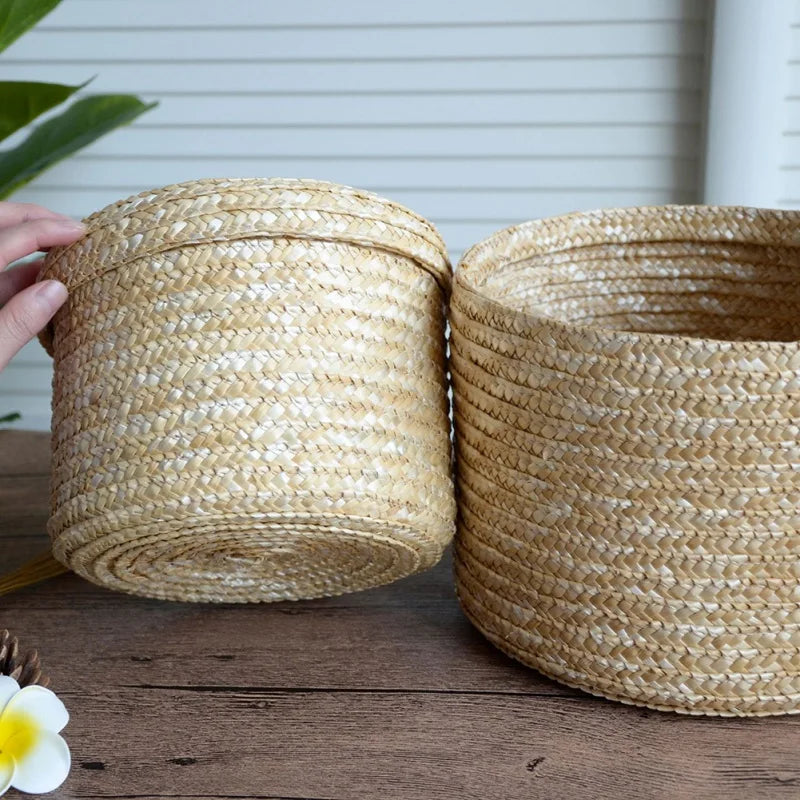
(22, 102)
(83, 122)
(16, 16)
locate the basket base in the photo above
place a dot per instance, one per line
(602, 687)
(247, 560)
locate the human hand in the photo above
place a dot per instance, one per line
(25, 306)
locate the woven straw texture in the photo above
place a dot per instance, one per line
(250, 393)
(627, 401)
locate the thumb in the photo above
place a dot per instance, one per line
(25, 314)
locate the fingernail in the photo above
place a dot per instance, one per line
(72, 224)
(51, 294)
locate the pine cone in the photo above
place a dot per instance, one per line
(25, 669)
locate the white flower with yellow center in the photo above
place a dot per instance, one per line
(33, 757)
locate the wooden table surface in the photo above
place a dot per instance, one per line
(384, 694)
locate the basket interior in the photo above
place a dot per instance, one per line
(729, 291)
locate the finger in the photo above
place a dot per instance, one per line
(15, 279)
(28, 237)
(17, 213)
(26, 314)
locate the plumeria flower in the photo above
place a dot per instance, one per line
(33, 757)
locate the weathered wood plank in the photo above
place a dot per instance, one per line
(24, 505)
(132, 741)
(410, 635)
(24, 453)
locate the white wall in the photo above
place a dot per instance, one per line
(752, 143)
(475, 114)
(789, 195)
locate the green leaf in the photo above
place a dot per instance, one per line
(17, 16)
(12, 417)
(83, 122)
(22, 101)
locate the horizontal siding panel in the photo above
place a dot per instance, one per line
(32, 355)
(790, 155)
(267, 44)
(476, 115)
(309, 13)
(264, 141)
(793, 80)
(25, 388)
(33, 369)
(486, 172)
(505, 205)
(495, 74)
(35, 411)
(794, 45)
(578, 108)
(793, 115)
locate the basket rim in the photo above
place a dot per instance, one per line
(623, 219)
(212, 185)
(153, 200)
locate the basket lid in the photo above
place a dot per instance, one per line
(218, 210)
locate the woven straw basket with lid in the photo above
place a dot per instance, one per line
(627, 390)
(250, 393)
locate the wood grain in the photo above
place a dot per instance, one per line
(386, 693)
(28, 496)
(24, 453)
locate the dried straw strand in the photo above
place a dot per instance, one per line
(35, 571)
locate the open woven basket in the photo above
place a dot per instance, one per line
(627, 395)
(250, 393)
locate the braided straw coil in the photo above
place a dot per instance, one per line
(627, 404)
(250, 393)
